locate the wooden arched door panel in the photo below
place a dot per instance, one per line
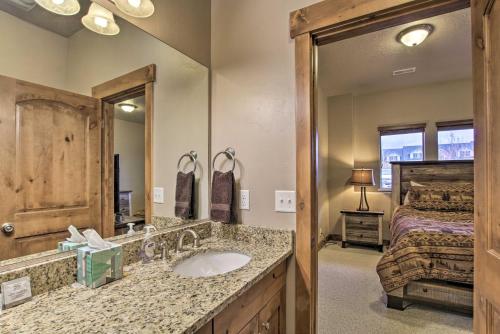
(50, 153)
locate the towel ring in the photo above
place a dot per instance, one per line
(229, 153)
(192, 155)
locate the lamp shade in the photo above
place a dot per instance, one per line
(362, 177)
(61, 7)
(136, 8)
(100, 20)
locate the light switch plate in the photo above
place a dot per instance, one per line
(158, 195)
(245, 199)
(284, 201)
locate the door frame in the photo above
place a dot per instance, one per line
(322, 23)
(136, 83)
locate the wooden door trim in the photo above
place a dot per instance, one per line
(318, 24)
(133, 84)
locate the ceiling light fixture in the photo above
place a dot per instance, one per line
(61, 7)
(136, 8)
(100, 20)
(127, 107)
(415, 35)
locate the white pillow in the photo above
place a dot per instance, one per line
(407, 196)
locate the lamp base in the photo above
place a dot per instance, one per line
(363, 202)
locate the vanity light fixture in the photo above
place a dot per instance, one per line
(127, 107)
(415, 35)
(136, 8)
(61, 7)
(100, 20)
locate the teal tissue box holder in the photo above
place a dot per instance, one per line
(97, 267)
(63, 246)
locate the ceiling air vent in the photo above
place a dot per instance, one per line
(25, 5)
(403, 71)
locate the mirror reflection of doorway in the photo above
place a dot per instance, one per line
(129, 157)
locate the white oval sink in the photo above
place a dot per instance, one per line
(211, 263)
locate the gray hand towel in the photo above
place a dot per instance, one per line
(184, 195)
(223, 197)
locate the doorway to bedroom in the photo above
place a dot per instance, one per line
(395, 176)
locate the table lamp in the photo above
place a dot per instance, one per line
(363, 178)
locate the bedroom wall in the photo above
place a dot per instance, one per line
(353, 123)
(323, 199)
(129, 144)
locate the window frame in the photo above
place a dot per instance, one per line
(398, 130)
(463, 124)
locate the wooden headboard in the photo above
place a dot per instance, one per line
(427, 171)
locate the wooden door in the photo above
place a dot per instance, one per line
(50, 166)
(252, 327)
(486, 56)
(270, 317)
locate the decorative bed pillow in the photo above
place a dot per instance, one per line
(443, 197)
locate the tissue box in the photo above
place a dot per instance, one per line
(97, 267)
(63, 246)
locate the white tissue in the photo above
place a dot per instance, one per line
(75, 236)
(95, 241)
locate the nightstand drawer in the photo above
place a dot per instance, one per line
(359, 220)
(361, 225)
(362, 236)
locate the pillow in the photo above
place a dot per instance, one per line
(406, 201)
(443, 197)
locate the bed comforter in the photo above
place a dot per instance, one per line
(428, 245)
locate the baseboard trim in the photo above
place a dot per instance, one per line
(338, 237)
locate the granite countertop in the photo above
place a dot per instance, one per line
(151, 298)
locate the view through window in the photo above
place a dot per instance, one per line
(456, 144)
(399, 147)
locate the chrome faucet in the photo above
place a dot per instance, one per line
(180, 242)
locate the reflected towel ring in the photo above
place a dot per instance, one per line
(229, 153)
(193, 156)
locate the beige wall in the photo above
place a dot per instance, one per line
(129, 144)
(354, 138)
(31, 53)
(323, 143)
(182, 24)
(181, 115)
(253, 105)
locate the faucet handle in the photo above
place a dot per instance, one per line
(164, 251)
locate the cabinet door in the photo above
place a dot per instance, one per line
(252, 327)
(271, 316)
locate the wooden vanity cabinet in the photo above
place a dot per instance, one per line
(260, 310)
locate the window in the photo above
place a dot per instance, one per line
(455, 140)
(399, 143)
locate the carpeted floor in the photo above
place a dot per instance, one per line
(351, 299)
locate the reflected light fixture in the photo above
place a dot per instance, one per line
(136, 8)
(127, 107)
(415, 35)
(61, 7)
(100, 20)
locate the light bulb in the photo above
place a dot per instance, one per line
(134, 3)
(127, 107)
(101, 21)
(414, 36)
(57, 2)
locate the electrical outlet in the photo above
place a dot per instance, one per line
(158, 195)
(284, 201)
(245, 199)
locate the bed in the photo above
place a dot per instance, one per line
(430, 258)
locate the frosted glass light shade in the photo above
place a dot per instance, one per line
(100, 20)
(61, 7)
(136, 8)
(415, 35)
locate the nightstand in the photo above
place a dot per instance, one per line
(362, 227)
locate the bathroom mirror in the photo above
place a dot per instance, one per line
(73, 155)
